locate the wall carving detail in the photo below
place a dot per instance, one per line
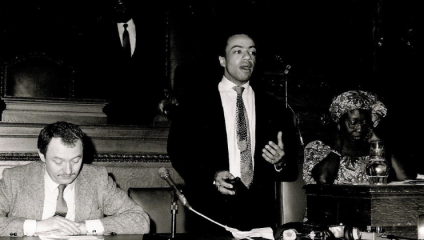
(113, 157)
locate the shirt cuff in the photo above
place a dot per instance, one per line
(94, 227)
(30, 226)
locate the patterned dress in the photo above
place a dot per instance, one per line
(350, 171)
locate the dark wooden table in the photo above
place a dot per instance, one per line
(395, 208)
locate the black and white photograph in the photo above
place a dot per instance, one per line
(211, 119)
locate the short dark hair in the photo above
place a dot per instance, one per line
(68, 133)
(223, 40)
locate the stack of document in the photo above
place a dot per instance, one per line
(81, 237)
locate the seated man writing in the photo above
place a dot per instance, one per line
(61, 195)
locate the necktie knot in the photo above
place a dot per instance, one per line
(61, 188)
(239, 90)
(125, 26)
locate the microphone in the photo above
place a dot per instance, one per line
(164, 174)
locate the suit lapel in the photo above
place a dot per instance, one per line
(35, 192)
(83, 198)
(262, 125)
(116, 37)
(114, 40)
(217, 127)
(218, 119)
(135, 43)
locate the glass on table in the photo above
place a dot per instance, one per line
(377, 168)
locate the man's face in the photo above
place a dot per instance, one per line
(357, 124)
(240, 59)
(63, 163)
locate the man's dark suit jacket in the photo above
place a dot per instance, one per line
(197, 146)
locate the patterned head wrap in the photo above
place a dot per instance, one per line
(351, 100)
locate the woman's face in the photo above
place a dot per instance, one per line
(356, 124)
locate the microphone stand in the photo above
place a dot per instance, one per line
(164, 174)
(174, 210)
(287, 106)
(286, 72)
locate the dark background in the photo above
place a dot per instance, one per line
(332, 46)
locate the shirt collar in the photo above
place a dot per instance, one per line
(130, 23)
(228, 85)
(51, 185)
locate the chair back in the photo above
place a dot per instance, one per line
(157, 203)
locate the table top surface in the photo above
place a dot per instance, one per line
(178, 236)
(393, 188)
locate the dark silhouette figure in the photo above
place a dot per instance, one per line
(133, 83)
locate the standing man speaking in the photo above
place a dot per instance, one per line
(230, 143)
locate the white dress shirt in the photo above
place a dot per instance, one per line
(51, 192)
(50, 198)
(131, 31)
(229, 100)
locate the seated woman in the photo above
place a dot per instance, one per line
(344, 158)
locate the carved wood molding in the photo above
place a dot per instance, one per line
(19, 157)
(160, 158)
(115, 157)
(39, 110)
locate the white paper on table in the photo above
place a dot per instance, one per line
(80, 237)
(256, 232)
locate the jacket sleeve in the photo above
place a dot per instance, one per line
(123, 215)
(193, 146)
(8, 225)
